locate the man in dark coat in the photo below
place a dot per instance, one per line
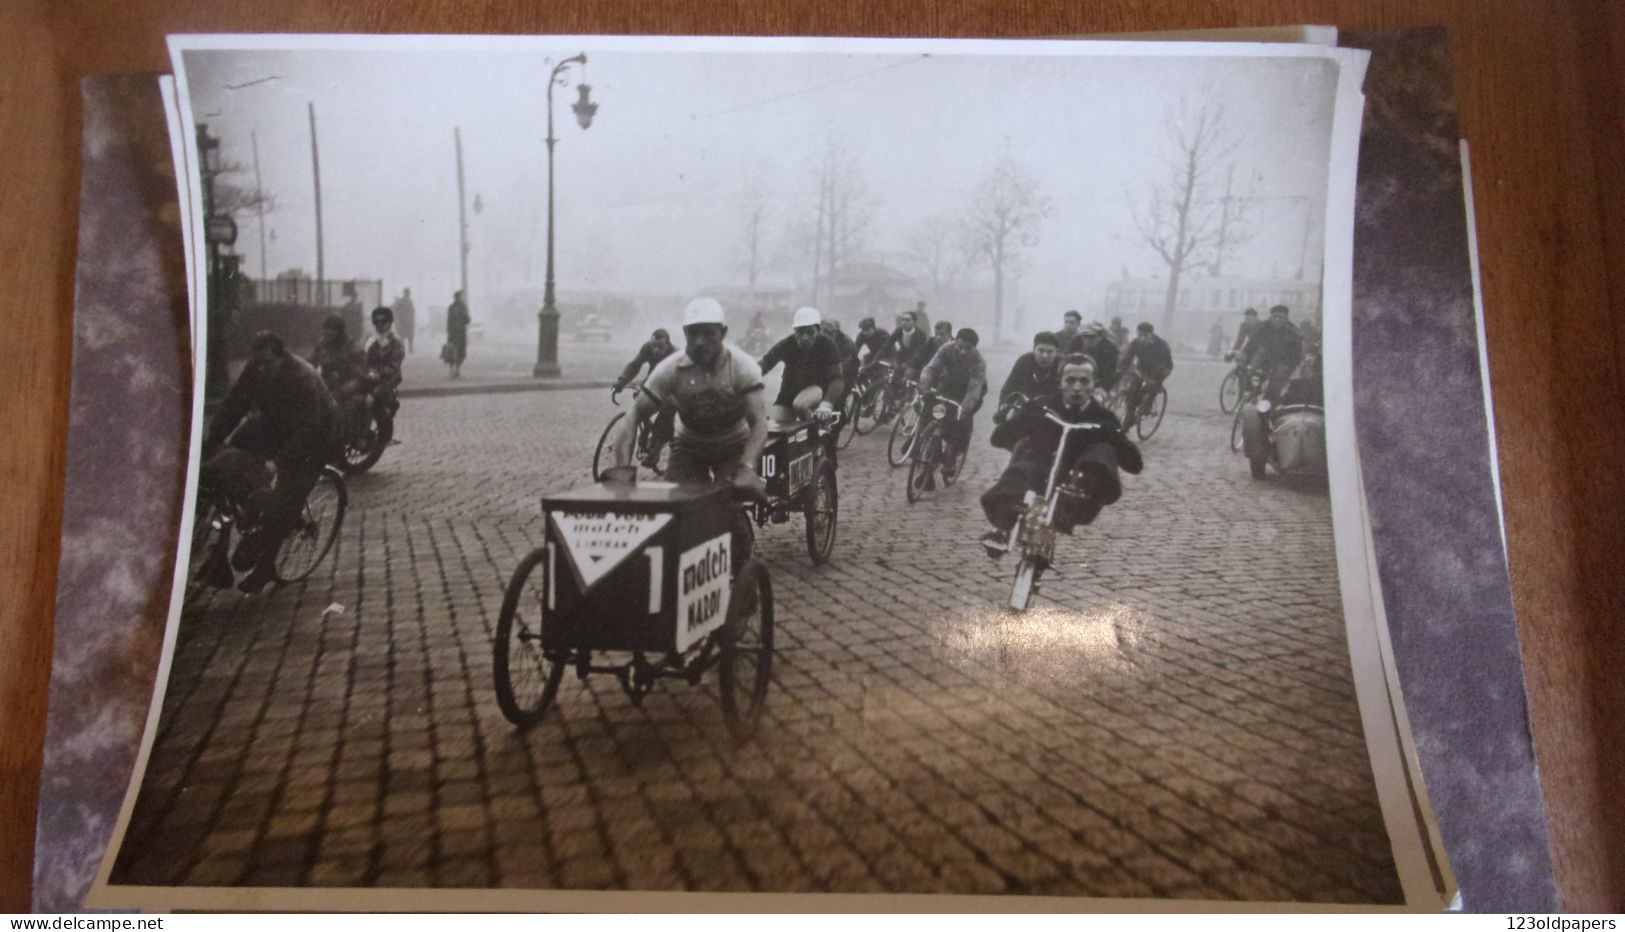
(1034, 375)
(279, 410)
(457, 321)
(1093, 454)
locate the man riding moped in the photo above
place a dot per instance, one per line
(813, 378)
(1094, 450)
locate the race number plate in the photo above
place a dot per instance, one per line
(800, 472)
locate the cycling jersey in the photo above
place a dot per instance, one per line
(710, 401)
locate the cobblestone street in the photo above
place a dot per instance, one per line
(1174, 718)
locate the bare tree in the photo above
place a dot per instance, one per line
(755, 211)
(1002, 221)
(833, 231)
(935, 252)
(1182, 220)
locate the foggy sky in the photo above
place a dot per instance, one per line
(648, 197)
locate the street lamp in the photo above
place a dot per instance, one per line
(547, 331)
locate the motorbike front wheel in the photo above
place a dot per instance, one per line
(1026, 581)
(1235, 431)
(526, 681)
(363, 451)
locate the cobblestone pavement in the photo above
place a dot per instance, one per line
(1175, 718)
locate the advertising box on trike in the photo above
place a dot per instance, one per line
(650, 570)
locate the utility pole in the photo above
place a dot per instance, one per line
(316, 173)
(259, 199)
(462, 217)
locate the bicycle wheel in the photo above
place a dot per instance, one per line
(526, 681)
(304, 549)
(901, 445)
(851, 405)
(1151, 417)
(646, 442)
(1235, 430)
(746, 665)
(598, 453)
(872, 402)
(820, 505)
(1026, 581)
(920, 467)
(1230, 392)
(210, 531)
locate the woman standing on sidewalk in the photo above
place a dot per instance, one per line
(456, 348)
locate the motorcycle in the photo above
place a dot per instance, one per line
(1032, 537)
(1289, 436)
(368, 426)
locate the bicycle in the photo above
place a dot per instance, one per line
(1147, 416)
(645, 448)
(1230, 390)
(900, 448)
(299, 553)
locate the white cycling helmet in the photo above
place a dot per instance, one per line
(806, 317)
(703, 311)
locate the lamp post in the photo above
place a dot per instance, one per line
(219, 230)
(547, 331)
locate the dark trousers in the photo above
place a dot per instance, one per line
(239, 472)
(1278, 376)
(1096, 466)
(695, 464)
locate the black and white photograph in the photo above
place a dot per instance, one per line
(627, 471)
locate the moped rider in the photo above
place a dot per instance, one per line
(1275, 349)
(813, 380)
(1093, 455)
(716, 389)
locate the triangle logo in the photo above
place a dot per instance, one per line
(598, 542)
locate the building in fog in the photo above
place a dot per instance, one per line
(1203, 300)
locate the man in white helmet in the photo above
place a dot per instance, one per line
(813, 379)
(717, 391)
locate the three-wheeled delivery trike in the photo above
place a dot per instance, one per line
(644, 581)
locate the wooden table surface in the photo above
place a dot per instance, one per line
(1541, 88)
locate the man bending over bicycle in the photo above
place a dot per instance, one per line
(1150, 359)
(650, 354)
(280, 411)
(1093, 455)
(813, 379)
(957, 373)
(716, 390)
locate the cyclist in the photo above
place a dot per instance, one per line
(716, 389)
(1249, 323)
(1119, 332)
(871, 340)
(1071, 333)
(844, 348)
(280, 411)
(813, 381)
(942, 334)
(960, 375)
(909, 347)
(1093, 456)
(651, 354)
(1097, 344)
(1150, 360)
(1275, 349)
(1034, 375)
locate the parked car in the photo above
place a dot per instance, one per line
(593, 328)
